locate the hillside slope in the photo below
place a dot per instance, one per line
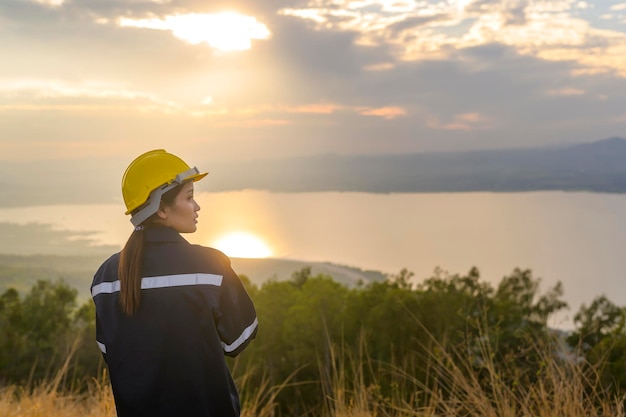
(22, 271)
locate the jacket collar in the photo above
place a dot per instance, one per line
(157, 234)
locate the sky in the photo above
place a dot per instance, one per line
(87, 85)
(243, 79)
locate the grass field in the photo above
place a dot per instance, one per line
(564, 389)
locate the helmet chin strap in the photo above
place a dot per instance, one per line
(151, 206)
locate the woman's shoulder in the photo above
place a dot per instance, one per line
(112, 260)
(212, 254)
(108, 270)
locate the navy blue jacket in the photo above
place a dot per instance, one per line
(167, 359)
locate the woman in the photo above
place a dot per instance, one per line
(168, 311)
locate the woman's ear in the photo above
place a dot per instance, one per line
(163, 211)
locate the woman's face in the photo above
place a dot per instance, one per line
(182, 214)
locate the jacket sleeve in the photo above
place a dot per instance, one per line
(100, 339)
(237, 323)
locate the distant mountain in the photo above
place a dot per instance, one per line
(22, 271)
(599, 167)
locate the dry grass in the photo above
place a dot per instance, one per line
(44, 401)
(47, 399)
(50, 399)
(564, 388)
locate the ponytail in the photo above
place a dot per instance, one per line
(130, 271)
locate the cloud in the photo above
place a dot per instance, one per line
(566, 92)
(252, 123)
(41, 94)
(465, 121)
(43, 239)
(325, 109)
(335, 76)
(388, 113)
(382, 66)
(50, 3)
(314, 108)
(223, 31)
(547, 30)
(28, 94)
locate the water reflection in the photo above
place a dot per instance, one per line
(576, 238)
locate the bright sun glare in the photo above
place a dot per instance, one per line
(243, 245)
(226, 31)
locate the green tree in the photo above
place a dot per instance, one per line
(600, 337)
(299, 278)
(297, 321)
(600, 320)
(11, 340)
(516, 323)
(87, 361)
(37, 330)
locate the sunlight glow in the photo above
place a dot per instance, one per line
(223, 31)
(51, 3)
(243, 245)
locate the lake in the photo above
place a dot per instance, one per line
(576, 238)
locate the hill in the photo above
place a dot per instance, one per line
(261, 270)
(22, 271)
(597, 167)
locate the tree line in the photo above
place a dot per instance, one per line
(389, 336)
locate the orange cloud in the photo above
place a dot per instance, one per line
(385, 112)
(566, 92)
(464, 121)
(471, 117)
(314, 108)
(253, 123)
(388, 112)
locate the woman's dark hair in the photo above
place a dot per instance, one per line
(130, 269)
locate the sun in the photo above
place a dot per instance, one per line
(243, 245)
(228, 31)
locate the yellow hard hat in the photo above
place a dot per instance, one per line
(148, 177)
